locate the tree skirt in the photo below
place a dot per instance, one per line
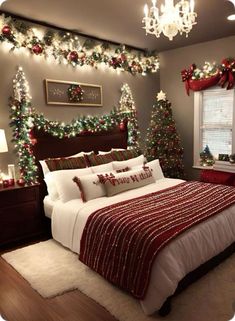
(53, 270)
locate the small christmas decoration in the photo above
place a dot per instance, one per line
(128, 111)
(73, 56)
(206, 158)
(6, 31)
(37, 49)
(162, 141)
(232, 159)
(75, 93)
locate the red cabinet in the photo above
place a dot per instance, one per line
(217, 177)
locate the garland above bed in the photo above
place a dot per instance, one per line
(210, 75)
(24, 118)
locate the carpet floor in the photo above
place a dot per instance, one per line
(53, 270)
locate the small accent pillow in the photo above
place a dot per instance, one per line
(65, 187)
(45, 168)
(94, 160)
(137, 161)
(120, 155)
(56, 164)
(115, 184)
(90, 187)
(155, 168)
(102, 168)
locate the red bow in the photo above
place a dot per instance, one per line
(227, 73)
(187, 75)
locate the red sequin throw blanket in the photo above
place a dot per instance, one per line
(121, 241)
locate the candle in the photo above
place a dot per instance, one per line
(11, 171)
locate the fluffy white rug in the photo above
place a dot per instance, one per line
(53, 270)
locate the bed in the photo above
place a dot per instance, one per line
(204, 245)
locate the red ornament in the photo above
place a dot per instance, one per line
(122, 126)
(73, 56)
(20, 182)
(37, 49)
(6, 31)
(101, 121)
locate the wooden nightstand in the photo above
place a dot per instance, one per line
(21, 217)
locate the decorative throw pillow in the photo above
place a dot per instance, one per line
(65, 187)
(90, 187)
(102, 168)
(155, 168)
(115, 184)
(120, 155)
(94, 160)
(55, 164)
(137, 161)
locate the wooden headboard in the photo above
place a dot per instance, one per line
(47, 146)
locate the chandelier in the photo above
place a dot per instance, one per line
(170, 19)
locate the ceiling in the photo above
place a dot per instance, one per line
(120, 21)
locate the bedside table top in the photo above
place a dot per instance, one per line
(16, 187)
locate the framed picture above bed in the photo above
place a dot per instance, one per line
(73, 93)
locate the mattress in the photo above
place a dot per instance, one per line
(180, 256)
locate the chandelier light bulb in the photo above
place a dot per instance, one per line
(172, 18)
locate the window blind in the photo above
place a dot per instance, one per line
(217, 120)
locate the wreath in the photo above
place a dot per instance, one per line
(75, 93)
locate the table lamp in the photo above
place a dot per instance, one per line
(3, 145)
(3, 142)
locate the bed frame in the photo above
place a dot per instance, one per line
(48, 146)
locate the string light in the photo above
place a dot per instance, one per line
(67, 49)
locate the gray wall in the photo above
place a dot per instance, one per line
(37, 69)
(171, 64)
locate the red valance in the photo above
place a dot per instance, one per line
(223, 76)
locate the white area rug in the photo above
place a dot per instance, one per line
(52, 270)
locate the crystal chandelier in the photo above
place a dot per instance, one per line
(170, 19)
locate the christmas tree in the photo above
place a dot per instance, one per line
(206, 158)
(163, 141)
(22, 123)
(127, 110)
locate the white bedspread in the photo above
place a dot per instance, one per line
(178, 258)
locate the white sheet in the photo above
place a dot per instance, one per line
(48, 204)
(178, 258)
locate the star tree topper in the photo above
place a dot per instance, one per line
(161, 96)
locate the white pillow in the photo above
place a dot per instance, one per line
(45, 168)
(117, 165)
(63, 180)
(90, 187)
(51, 187)
(102, 168)
(155, 167)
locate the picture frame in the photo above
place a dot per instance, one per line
(223, 157)
(57, 93)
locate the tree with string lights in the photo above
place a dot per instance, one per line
(127, 110)
(163, 141)
(21, 121)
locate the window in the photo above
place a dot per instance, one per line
(214, 122)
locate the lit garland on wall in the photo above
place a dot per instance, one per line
(24, 118)
(66, 48)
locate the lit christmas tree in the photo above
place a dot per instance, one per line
(127, 110)
(22, 123)
(163, 141)
(206, 158)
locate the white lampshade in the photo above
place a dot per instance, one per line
(3, 142)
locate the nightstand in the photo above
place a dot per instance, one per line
(21, 217)
(217, 177)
